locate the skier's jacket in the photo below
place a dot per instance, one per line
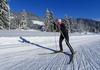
(62, 27)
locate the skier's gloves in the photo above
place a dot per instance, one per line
(58, 25)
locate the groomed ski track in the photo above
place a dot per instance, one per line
(21, 52)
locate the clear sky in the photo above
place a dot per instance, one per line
(73, 8)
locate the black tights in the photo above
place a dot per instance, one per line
(67, 42)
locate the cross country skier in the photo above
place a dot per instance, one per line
(63, 35)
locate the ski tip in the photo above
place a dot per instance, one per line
(72, 57)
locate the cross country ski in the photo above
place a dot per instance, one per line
(53, 53)
(71, 55)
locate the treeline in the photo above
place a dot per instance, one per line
(73, 25)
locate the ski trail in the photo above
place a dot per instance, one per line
(26, 55)
(48, 64)
(57, 63)
(88, 61)
(38, 63)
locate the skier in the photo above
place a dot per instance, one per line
(63, 35)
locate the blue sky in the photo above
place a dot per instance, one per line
(73, 8)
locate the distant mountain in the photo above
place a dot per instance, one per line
(90, 22)
(81, 25)
(15, 16)
(30, 16)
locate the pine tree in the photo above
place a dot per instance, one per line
(71, 24)
(4, 14)
(86, 28)
(81, 27)
(17, 23)
(66, 21)
(46, 21)
(51, 21)
(24, 20)
(98, 28)
(56, 20)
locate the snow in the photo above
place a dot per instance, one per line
(37, 22)
(19, 50)
(11, 17)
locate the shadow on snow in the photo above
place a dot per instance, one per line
(26, 41)
(55, 51)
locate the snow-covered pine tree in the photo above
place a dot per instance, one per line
(24, 20)
(86, 28)
(14, 23)
(46, 21)
(71, 24)
(56, 20)
(81, 27)
(17, 23)
(66, 21)
(51, 29)
(98, 28)
(92, 29)
(4, 14)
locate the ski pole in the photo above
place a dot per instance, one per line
(55, 40)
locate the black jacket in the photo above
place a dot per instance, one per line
(62, 27)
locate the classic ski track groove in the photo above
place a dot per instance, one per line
(83, 59)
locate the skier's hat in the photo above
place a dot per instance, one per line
(59, 20)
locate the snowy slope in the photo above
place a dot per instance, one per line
(38, 22)
(19, 50)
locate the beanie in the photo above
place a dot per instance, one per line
(59, 20)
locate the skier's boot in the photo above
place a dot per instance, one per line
(60, 51)
(73, 53)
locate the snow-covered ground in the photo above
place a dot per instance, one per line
(19, 50)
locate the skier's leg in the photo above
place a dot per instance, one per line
(68, 44)
(60, 42)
